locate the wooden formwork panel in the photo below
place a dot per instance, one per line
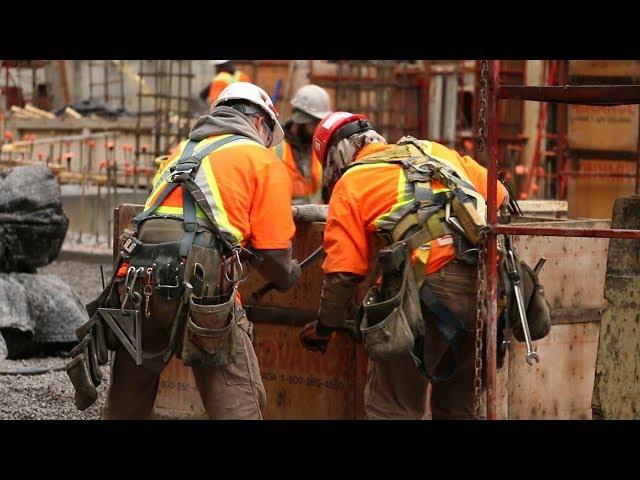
(560, 386)
(304, 385)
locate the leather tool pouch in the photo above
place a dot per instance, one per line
(211, 331)
(392, 318)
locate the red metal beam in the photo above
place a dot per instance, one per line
(566, 232)
(576, 94)
(491, 335)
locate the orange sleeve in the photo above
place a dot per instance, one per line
(270, 217)
(216, 88)
(345, 236)
(478, 176)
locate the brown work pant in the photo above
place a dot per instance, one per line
(231, 392)
(397, 390)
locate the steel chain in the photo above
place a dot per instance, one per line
(483, 105)
(480, 314)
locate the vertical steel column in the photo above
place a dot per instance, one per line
(491, 327)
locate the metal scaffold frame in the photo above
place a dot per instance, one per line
(580, 95)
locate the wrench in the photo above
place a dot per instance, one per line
(515, 278)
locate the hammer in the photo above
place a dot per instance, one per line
(317, 253)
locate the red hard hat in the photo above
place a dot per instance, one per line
(335, 127)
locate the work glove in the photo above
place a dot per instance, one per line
(294, 274)
(315, 337)
(309, 213)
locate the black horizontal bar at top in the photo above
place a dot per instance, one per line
(574, 94)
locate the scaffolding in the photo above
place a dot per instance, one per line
(24, 83)
(577, 95)
(390, 93)
(165, 96)
(106, 82)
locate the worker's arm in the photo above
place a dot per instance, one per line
(272, 226)
(346, 257)
(336, 300)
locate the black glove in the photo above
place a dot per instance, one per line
(309, 213)
(294, 274)
(315, 337)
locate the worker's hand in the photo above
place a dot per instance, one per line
(294, 275)
(312, 340)
(309, 213)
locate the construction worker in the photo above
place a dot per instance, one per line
(371, 196)
(222, 195)
(311, 104)
(226, 74)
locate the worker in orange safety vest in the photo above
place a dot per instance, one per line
(382, 196)
(311, 104)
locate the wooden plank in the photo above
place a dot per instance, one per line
(574, 274)
(604, 68)
(594, 196)
(560, 386)
(603, 128)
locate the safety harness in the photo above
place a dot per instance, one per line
(183, 173)
(425, 220)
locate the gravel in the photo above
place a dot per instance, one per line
(50, 396)
(44, 397)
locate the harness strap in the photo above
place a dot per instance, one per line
(186, 166)
(182, 173)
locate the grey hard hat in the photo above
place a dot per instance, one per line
(313, 100)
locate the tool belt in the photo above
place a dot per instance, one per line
(195, 275)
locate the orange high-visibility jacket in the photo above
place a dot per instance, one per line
(222, 80)
(308, 189)
(368, 195)
(248, 190)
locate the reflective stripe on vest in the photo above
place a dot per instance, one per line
(405, 199)
(205, 179)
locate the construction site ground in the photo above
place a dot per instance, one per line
(50, 396)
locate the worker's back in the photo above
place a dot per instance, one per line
(248, 185)
(373, 197)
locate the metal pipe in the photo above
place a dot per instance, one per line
(566, 232)
(576, 94)
(492, 251)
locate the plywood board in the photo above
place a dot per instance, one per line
(560, 386)
(603, 128)
(604, 68)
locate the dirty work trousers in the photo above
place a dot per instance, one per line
(396, 389)
(231, 392)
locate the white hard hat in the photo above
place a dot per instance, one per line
(313, 100)
(215, 63)
(257, 96)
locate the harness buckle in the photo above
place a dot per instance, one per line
(130, 245)
(179, 176)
